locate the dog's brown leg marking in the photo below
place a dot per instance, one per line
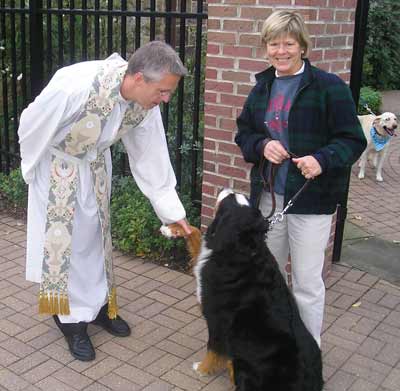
(212, 363)
(193, 241)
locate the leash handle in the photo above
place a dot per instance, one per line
(270, 182)
(277, 217)
(265, 183)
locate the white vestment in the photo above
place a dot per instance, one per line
(43, 125)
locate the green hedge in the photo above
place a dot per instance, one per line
(13, 189)
(135, 227)
(381, 64)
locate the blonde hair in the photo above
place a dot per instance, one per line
(286, 23)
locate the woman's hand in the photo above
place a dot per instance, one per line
(275, 152)
(308, 166)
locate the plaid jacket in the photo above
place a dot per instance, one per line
(322, 123)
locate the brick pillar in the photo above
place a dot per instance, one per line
(233, 58)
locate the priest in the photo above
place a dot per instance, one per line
(65, 137)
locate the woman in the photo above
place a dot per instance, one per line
(304, 120)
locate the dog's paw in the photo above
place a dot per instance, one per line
(173, 230)
(166, 231)
(379, 178)
(361, 175)
(201, 370)
(197, 368)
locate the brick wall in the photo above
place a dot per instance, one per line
(234, 56)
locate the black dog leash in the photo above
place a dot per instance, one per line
(277, 217)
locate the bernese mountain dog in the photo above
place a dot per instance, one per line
(254, 325)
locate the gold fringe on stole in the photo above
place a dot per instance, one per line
(53, 303)
(64, 308)
(112, 304)
(43, 303)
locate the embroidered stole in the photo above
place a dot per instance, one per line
(79, 143)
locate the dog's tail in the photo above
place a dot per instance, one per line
(193, 241)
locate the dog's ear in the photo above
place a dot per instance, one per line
(377, 120)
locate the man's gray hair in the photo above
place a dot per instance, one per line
(154, 60)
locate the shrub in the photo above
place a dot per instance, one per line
(381, 69)
(370, 97)
(13, 189)
(135, 227)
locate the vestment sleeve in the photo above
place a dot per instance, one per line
(151, 167)
(40, 122)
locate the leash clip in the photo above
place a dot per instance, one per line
(278, 216)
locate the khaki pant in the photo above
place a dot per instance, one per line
(305, 238)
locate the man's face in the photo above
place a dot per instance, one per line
(151, 93)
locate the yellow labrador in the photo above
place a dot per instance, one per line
(378, 130)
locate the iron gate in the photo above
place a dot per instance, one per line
(37, 37)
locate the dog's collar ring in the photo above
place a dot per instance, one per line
(276, 218)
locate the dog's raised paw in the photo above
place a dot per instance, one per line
(166, 231)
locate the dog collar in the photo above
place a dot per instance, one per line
(378, 140)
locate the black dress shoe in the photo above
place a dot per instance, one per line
(78, 339)
(117, 327)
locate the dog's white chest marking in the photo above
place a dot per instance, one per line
(201, 261)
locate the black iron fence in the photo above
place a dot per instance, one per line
(37, 37)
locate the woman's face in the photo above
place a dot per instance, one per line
(284, 54)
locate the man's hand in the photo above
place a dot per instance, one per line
(308, 166)
(183, 223)
(275, 152)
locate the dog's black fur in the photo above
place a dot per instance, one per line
(251, 314)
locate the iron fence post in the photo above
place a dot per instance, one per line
(360, 37)
(36, 46)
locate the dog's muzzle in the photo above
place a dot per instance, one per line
(390, 132)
